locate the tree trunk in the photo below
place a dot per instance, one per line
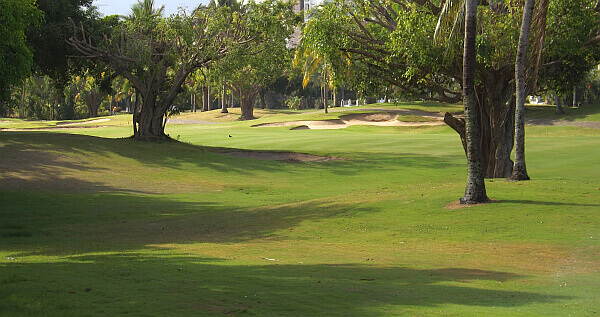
(193, 101)
(93, 103)
(519, 171)
(475, 190)
(22, 102)
(223, 102)
(150, 124)
(496, 113)
(263, 102)
(247, 104)
(559, 109)
(205, 98)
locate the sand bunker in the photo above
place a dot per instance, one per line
(281, 156)
(82, 123)
(385, 119)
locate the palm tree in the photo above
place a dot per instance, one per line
(519, 168)
(312, 63)
(475, 190)
(144, 9)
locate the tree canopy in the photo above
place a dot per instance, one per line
(156, 54)
(16, 59)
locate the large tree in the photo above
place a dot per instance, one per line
(157, 54)
(247, 72)
(390, 43)
(15, 57)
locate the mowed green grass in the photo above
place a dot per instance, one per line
(95, 224)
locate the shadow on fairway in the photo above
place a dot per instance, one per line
(131, 283)
(60, 224)
(544, 203)
(56, 162)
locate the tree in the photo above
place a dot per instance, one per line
(15, 57)
(572, 46)
(52, 55)
(312, 64)
(157, 54)
(89, 91)
(248, 72)
(475, 190)
(519, 171)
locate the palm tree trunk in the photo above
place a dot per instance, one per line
(519, 172)
(475, 189)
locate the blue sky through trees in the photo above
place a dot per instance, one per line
(123, 7)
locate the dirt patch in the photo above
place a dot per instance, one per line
(564, 123)
(281, 156)
(457, 205)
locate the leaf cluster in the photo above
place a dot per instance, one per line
(16, 16)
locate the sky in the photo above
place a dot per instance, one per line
(123, 7)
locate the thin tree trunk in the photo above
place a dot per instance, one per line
(22, 103)
(519, 172)
(475, 190)
(223, 102)
(205, 98)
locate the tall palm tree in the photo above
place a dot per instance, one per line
(475, 190)
(519, 168)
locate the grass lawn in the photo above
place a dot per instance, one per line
(93, 224)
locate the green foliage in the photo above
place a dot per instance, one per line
(52, 54)
(568, 50)
(248, 69)
(293, 102)
(402, 52)
(15, 57)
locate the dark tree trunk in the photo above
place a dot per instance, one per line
(496, 111)
(475, 190)
(150, 121)
(559, 109)
(93, 103)
(247, 104)
(263, 102)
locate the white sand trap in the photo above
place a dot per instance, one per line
(384, 119)
(83, 122)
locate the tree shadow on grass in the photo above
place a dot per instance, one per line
(544, 203)
(46, 158)
(97, 223)
(177, 285)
